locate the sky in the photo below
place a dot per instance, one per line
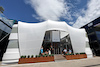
(76, 13)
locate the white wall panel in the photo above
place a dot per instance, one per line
(77, 37)
(13, 36)
(11, 54)
(31, 36)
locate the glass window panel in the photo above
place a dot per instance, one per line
(47, 36)
(92, 37)
(98, 34)
(0, 33)
(4, 19)
(3, 34)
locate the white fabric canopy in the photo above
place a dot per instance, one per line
(31, 36)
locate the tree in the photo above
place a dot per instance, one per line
(1, 9)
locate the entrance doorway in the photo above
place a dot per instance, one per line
(58, 40)
(57, 48)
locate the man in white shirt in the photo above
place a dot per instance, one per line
(65, 51)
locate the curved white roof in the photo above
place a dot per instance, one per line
(31, 36)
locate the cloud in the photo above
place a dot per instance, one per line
(71, 23)
(50, 9)
(92, 12)
(77, 1)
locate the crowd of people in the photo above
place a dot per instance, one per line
(50, 51)
(65, 51)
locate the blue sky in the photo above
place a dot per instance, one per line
(74, 12)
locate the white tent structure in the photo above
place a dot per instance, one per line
(31, 35)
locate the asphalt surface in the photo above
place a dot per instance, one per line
(89, 62)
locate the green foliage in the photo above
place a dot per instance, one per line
(36, 56)
(22, 56)
(67, 54)
(1, 9)
(28, 56)
(77, 53)
(43, 55)
(32, 56)
(52, 55)
(46, 55)
(39, 55)
(72, 53)
(82, 53)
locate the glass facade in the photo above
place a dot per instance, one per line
(98, 35)
(5, 30)
(5, 20)
(47, 36)
(2, 34)
(58, 46)
(93, 32)
(66, 43)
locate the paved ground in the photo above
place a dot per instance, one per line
(59, 57)
(91, 62)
